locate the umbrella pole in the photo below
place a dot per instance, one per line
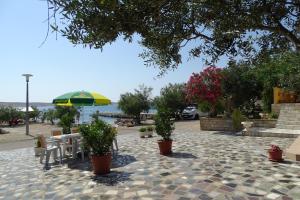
(81, 119)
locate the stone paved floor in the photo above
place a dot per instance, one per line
(204, 165)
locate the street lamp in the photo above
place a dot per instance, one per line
(27, 103)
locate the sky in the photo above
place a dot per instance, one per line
(59, 67)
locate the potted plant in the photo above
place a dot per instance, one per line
(38, 146)
(164, 127)
(150, 131)
(98, 138)
(142, 131)
(275, 153)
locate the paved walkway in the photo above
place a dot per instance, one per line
(204, 165)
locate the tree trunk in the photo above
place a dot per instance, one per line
(213, 111)
(137, 119)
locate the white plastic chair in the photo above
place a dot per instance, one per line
(67, 146)
(49, 147)
(56, 131)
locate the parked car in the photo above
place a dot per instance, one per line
(190, 112)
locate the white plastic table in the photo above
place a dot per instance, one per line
(64, 139)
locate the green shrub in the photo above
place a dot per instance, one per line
(98, 137)
(278, 70)
(237, 118)
(66, 115)
(273, 115)
(241, 86)
(174, 97)
(43, 116)
(150, 128)
(10, 114)
(134, 103)
(51, 115)
(204, 106)
(35, 113)
(163, 123)
(143, 129)
(66, 122)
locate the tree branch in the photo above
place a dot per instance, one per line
(288, 34)
(282, 30)
(48, 25)
(198, 34)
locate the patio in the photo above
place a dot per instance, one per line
(204, 165)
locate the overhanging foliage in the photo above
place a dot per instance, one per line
(231, 28)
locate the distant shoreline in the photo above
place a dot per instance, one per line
(36, 104)
(23, 104)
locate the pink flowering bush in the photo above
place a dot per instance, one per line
(205, 87)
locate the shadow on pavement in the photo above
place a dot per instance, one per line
(227, 133)
(182, 155)
(113, 178)
(118, 161)
(122, 160)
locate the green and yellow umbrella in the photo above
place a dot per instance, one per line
(81, 98)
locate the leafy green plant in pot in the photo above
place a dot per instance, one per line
(164, 128)
(237, 118)
(98, 138)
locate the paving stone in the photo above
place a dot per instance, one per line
(138, 183)
(129, 194)
(111, 192)
(273, 196)
(204, 165)
(142, 192)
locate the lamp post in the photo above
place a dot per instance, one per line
(27, 103)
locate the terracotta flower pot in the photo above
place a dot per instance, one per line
(165, 147)
(275, 156)
(101, 164)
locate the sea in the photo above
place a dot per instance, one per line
(87, 111)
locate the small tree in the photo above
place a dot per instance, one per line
(4, 117)
(43, 116)
(135, 103)
(35, 113)
(282, 71)
(66, 116)
(51, 115)
(205, 87)
(174, 98)
(241, 88)
(10, 115)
